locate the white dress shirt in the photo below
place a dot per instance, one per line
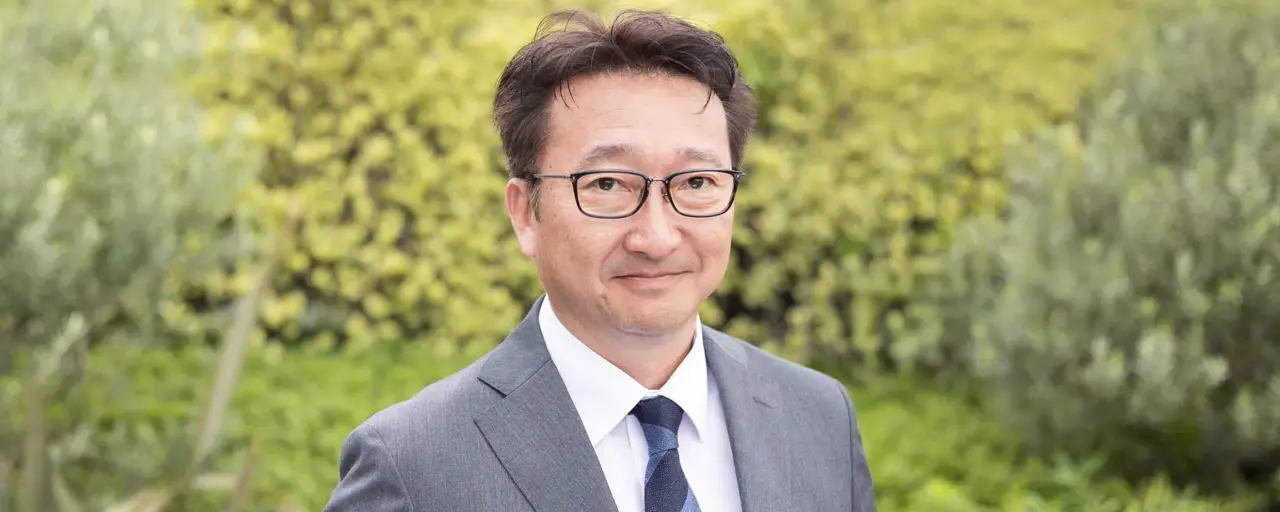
(604, 395)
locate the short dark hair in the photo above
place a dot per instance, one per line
(637, 41)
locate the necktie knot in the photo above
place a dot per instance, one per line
(659, 411)
(660, 418)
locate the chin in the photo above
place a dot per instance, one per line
(654, 315)
(651, 325)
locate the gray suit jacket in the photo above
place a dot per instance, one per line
(502, 435)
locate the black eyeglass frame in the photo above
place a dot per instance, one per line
(573, 178)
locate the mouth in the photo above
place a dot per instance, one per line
(649, 275)
(652, 284)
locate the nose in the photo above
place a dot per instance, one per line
(654, 232)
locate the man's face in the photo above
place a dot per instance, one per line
(645, 274)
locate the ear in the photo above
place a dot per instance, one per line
(520, 210)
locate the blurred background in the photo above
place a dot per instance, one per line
(1040, 241)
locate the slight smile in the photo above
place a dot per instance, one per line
(650, 280)
(650, 275)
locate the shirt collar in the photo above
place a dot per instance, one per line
(604, 395)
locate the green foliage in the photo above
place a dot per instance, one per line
(297, 409)
(376, 118)
(930, 449)
(882, 130)
(1126, 304)
(882, 126)
(106, 165)
(106, 171)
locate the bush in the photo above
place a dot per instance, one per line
(106, 177)
(376, 119)
(881, 126)
(288, 415)
(107, 168)
(1126, 304)
(929, 449)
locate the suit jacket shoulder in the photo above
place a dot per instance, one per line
(801, 388)
(425, 453)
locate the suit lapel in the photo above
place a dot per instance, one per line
(752, 408)
(534, 429)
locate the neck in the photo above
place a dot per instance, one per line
(650, 362)
(649, 358)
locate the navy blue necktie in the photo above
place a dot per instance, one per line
(665, 488)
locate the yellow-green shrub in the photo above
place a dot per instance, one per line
(884, 124)
(880, 125)
(377, 116)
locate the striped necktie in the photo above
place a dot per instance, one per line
(665, 488)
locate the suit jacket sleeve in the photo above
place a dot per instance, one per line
(864, 499)
(368, 480)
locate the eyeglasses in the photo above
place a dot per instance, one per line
(615, 194)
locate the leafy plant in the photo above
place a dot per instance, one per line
(1125, 304)
(110, 189)
(929, 448)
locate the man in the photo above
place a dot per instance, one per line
(610, 395)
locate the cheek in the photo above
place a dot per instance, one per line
(578, 248)
(715, 251)
(717, 241)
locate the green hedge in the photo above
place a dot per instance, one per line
(881, 126)
(929, 450)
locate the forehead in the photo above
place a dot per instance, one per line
(659, 122)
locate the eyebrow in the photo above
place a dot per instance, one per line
(606, 152)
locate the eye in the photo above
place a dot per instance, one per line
(605, 183)
(701, 181)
